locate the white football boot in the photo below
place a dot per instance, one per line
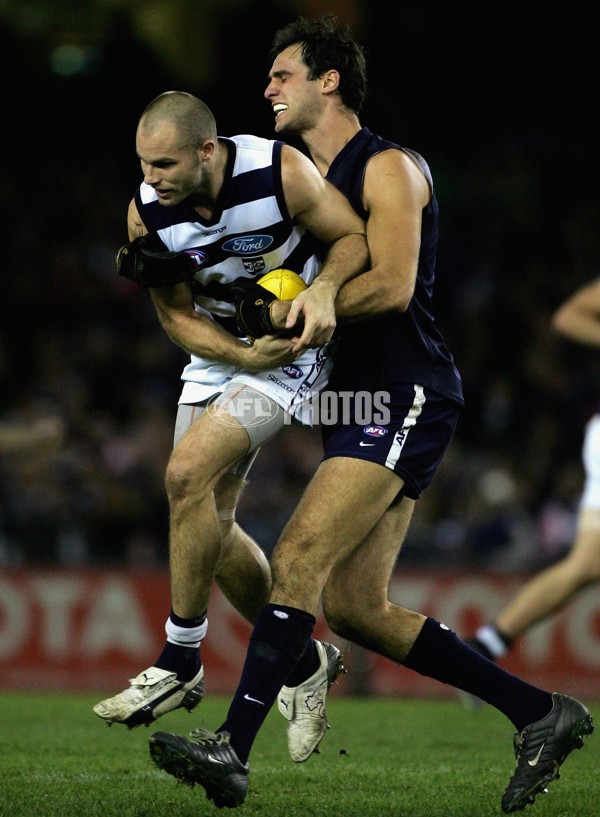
(152, 693)
(304, 705)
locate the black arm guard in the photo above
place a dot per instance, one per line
(147, 261)
(253, 311)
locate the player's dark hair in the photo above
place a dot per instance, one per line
(326, 45)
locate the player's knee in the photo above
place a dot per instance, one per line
(343, 619)
(183, 480)
(343, 626)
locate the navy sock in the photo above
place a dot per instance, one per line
(277, 643)
(180, 658)
(307, 666)
(439, 653)
(185, 661)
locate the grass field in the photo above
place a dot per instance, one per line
(402, 758)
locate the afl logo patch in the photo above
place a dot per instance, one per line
(292, 371)
(375, 431)
(197, 257)
(248, 244)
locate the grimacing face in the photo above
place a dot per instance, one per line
(294, 98)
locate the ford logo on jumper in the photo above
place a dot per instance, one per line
(248, 244)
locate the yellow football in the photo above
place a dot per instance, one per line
(283, 283)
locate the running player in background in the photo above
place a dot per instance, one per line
(578, 319)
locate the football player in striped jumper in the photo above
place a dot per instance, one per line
(212, 215)
(341, 544)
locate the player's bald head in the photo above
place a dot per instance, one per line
(192, 119)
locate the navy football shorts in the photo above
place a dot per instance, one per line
(410, 438)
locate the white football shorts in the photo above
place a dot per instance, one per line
(292, 387)
(261, 403)
(591, 462)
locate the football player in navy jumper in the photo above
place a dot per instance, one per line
(341, 544)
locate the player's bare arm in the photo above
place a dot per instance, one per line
(201, 336)
(395, 191)
(578, 319)
(135, 225)
(325, 212)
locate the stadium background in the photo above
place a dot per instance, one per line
(503, 108)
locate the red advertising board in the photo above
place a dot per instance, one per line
(94, 629)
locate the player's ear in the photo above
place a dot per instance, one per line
(206, 150)
(330, 81)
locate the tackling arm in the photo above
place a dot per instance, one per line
(395, 192)
(326, 213)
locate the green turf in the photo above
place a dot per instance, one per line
(402, 758)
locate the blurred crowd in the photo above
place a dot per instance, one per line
(82, 349)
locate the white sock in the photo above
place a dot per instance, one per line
(185, 636)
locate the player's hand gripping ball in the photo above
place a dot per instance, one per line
(253, 307)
